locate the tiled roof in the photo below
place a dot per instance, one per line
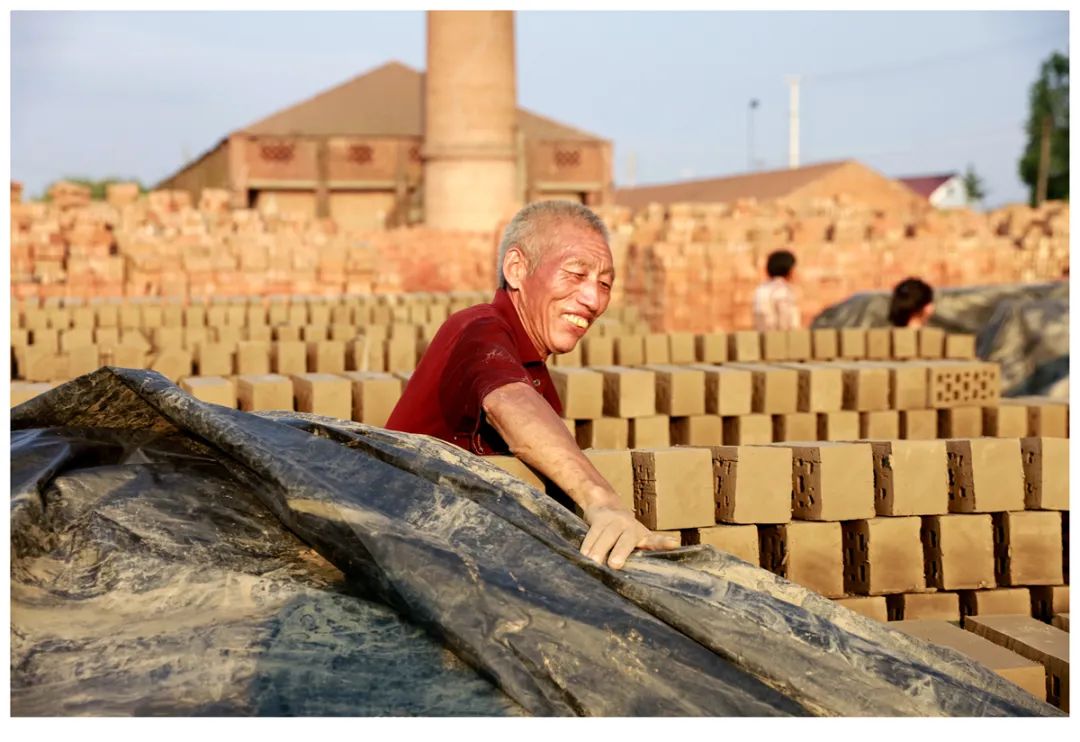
(925, 185)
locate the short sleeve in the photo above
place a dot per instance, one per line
(483, 359)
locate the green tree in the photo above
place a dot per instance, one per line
(97, 187)
(974, 188)
(1049, 106)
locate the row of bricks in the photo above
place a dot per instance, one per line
(694, 487)
(1042, 602)
(1030, 653)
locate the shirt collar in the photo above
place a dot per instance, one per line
(505, 307)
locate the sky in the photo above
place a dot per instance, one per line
(138, 94)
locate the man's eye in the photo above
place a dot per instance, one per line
(606, 285)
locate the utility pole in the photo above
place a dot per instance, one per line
(1044, 161)
(750, 134)
(793, 122)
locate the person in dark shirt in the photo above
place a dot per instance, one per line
(912, 303)
(482, 383)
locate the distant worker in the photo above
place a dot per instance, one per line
(912, 303)
(482, 383)
(776, 304)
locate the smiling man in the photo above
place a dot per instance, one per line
(483, 385)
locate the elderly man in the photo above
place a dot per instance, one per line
(482, 383)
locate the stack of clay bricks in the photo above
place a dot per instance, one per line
(694, 267)
(160, 244)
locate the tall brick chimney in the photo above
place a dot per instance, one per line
(470, 120)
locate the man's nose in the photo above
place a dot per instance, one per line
(589, 295)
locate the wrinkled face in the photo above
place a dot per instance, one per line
(569, 289)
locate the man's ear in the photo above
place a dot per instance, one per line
(515, 267)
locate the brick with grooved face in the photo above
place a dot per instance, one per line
(882, 555)
(985, 475)
(1046, 473)
(673, 487)
(832, 481)
(958, 551)
(1034, 640)
(910, 477)
(628, 392)
(1049, 600)
(808, 554)
(752, 484)
(1027, 548)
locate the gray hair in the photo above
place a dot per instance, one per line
(524, 230)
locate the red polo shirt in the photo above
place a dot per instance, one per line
(476, 351)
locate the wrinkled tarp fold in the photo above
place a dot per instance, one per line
(487, 566)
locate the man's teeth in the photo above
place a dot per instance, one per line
(576, 320)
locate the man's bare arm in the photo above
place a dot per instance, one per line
(537, 436)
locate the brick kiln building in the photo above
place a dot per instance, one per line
(356, 153)
(851, 180)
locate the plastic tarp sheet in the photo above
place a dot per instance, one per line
(175, 557)
(1024, 327)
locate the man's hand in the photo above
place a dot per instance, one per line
(614, 533)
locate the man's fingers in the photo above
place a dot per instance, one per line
(626, 543)
(601, 545)
(655, 541)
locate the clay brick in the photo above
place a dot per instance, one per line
(400, 354)
(795, 426)
(871, 606)
(656, 348)
(681, 348)
(314, 333)
(517, 469)
(910, 477)
(326, 356)
(264, 392)
(905, 343)
(288, 357)
(75, 338)
(728, 391)
(255, 315)
(105, 338)
(227, 335)
(819, 388)
(151, 316)
(323, 394)
(84, 360)
(962, 383)
(366, 352)
(43, 365)
(1027, 548)
(215, 359)
(838, 426)
(338, 331)
(880, 425)
(570, 359)
(174, 364)
(287, 333)
(296, 314)
(1033, 639)
(217, 315)
(260, 333)
(1047, 417)
(960, 422)
(629, 350)
(1046, 473)
(107, 315)
(1025, 673)
(1048, 601)
(907, 385)
(374, 395)
(866, 387)
(673, 487)
(985, 475)
(46, 339)
(212, 389)
(739, 541)
(252, 357)
(752, 484)
(1004, 421)
(711, 347)
(774, 389)
(697, 430)
(617, 468)
(882, 555)
(918, 424)
(809, 554)
(236, 315)
(650, 431)
(22, 391)
(924, 606)
(603, 432)
(1061, 621)
(852, 343)
(598, 351)
(195, 316)
(799, 345)
(826, 344)
(628, 392)
(745, 430)
(960, 346)
(744, 345)
(931, 342)
(832, 481)
(879, 343)
(680, 390)
(581, 392)
(128, 356)
(958, 551)
(1016, 600)
(774, 345)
